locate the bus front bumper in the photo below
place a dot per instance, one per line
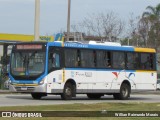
(28, 88)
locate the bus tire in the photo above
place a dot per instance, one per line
(67, 91)
(94, 95)
(124, 92)
(36, 96)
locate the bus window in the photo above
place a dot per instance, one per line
(87, 58)
(118, 60)
(71, 58)
(147, 61)
(54, 59)
(132, 61)
(103, 59)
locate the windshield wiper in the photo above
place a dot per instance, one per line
(32, 54)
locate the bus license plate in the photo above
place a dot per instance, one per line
(24, 88)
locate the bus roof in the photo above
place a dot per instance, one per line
(100, 46)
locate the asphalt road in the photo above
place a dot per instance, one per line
(26, 99)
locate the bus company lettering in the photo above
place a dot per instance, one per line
(88, 74)
(80, 74)
(75, 45)
(85, 74)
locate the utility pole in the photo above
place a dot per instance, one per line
(68, 19)
(128, 40)
(37, 20)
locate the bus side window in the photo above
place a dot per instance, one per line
(118, 60)
(57, 60)
(87, 58)
(54, 60)
(71, 58)
(103, 59)
(100, 62)
(147, 61)
(132, 61)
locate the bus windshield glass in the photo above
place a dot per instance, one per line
(27, 63)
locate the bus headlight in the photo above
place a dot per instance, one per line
(42, 81)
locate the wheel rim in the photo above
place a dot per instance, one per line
(68, 91)
(124, 92)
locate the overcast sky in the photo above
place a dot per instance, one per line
(17, 16)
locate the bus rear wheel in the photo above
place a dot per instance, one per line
(94, 95)
(67, 92)
(124, 92)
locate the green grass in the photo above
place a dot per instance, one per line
(139, 106)
(87, 107)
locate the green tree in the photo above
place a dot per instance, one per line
(153, 16)
(153, 13)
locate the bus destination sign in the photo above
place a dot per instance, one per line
(28, 47)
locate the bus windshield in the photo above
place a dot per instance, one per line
(27, 63)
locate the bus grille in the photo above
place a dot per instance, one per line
(27, 89)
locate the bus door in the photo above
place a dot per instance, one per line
(55, 71)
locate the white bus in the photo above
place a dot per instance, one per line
(70, 68)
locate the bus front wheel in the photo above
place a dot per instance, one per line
(67, 92)
(37, 96)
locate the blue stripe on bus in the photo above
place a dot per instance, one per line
(103, 47)
(59, 44)
(90, 46)
(94, 69)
